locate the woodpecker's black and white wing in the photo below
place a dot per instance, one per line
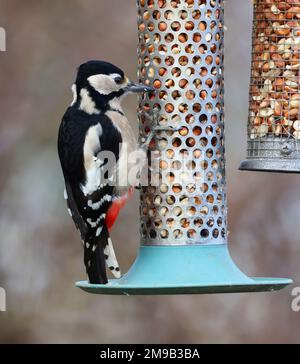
(89, 194)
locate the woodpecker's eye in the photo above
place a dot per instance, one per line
(118, 80)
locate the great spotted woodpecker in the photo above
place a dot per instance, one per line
(93, 125)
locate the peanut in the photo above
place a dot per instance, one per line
(157, 84)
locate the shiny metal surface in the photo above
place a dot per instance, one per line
(181, 56)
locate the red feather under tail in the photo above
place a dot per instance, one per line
(115, 208)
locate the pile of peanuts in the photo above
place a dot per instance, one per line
(275, 87)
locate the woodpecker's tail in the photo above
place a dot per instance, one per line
(111, 260)
(94, 259)
(97, 252)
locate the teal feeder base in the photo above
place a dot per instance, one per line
(196, 269)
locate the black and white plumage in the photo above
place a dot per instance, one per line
(92, 124)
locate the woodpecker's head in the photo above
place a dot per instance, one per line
(99, 84)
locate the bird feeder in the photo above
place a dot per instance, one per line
(274, 117)
(183, 211)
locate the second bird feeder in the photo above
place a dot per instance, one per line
(184, 211)
(274, 112)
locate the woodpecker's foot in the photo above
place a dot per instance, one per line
(145, 142)
(166, 128)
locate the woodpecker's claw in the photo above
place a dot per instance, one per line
(166, 128)
(156, 129)
(146, 141)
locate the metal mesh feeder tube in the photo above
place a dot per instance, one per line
(274, 100)
(183, 211)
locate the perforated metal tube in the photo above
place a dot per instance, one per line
(181, 56)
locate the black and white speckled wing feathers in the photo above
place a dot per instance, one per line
(81, 138)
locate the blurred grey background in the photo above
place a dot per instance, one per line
(40, 251)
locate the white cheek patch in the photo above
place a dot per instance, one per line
(104, 84)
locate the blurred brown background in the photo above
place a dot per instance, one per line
(40, 251)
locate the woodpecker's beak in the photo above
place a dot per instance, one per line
(136, 88)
